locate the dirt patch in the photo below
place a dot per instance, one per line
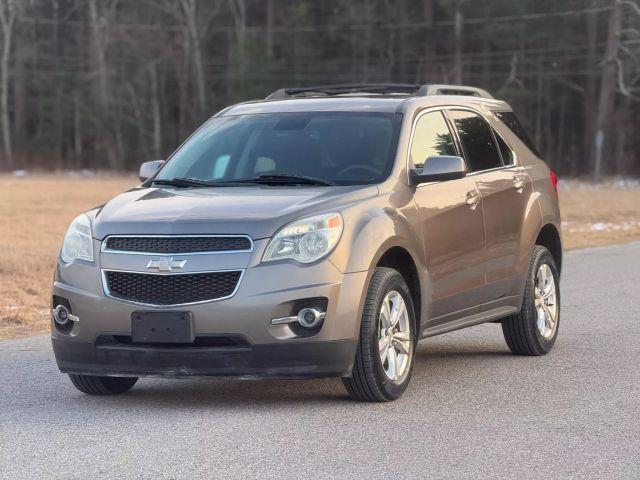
(36, 210)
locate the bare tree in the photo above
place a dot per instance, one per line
(189, 10)
(92, 83)
(607, 86)
(269, 24)
(7, 19)
(100, 14)
(590, 97)
(155, 109)
(239, 12)
(457, 43)
(429, 60)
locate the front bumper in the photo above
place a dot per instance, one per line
(296, 360)
(270, 350)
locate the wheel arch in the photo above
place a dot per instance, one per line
(549, 237)
(399, 258)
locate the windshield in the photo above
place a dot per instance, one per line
(342, 148)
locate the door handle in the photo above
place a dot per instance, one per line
(518, 182)
(473, 199)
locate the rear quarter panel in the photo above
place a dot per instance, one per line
(542, 206)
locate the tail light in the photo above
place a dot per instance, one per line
(554, 180)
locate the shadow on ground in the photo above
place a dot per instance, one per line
(434, 363)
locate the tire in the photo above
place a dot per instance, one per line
(94, 385)
(370, 380)
(522, 331)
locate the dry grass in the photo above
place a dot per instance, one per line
(35, 211)
(603, 214)
(34, 214)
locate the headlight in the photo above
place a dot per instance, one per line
(77, 241)
(306, 240)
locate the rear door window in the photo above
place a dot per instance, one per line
(478, 143)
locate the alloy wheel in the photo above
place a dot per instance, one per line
(394, 337)
(546, 302)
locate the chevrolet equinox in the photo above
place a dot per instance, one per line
(319, 232)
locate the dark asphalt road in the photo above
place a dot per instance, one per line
(471, 411)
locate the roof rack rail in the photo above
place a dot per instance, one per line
(401, 88)
(378, 88)
(453, 90)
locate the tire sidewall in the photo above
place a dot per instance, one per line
(394, 282)
(543, 257)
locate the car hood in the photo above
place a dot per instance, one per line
(257, 211)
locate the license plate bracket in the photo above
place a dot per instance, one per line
(162, 327)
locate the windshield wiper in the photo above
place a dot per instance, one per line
(283, 179)
(286, 179)
(181, 182)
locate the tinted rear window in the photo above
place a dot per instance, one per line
(511, 121)
(480, 150)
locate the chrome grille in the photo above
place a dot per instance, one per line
(168, 245)
(171, 289)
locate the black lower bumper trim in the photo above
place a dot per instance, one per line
(292, 360)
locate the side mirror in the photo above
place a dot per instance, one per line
(149, 169)
(437, 169)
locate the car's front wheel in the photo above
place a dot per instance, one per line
(533, 331)
(94, 385)
(386, 347)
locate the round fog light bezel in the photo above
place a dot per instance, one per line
(61, 315)
(317, 317)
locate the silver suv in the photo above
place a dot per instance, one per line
(320, 232)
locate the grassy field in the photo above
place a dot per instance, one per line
(35, 212)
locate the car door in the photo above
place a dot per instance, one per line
(452, 225)
(504, 189)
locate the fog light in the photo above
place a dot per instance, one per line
(62, 316)
(306, 317)
(310, 317)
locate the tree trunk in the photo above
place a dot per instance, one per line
(561, 127)
(457, 52)
(101, 86)
(606, 97)
(155, 109)
(77, 130)
(239, 13)
(539, 95)
(7, 18)
(429, 67)
(270, 22)
(184, 105)
(366, 44)
(190, 13)
(20, 97)
(621, 137)
(591, 84)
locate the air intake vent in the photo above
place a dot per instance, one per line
(176, 289)
(177, 244)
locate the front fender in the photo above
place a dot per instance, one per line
(370, 232)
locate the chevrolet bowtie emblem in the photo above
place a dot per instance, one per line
(166, 264)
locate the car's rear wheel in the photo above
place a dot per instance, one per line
(533, 331)
(94, 385)
(386, 347)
